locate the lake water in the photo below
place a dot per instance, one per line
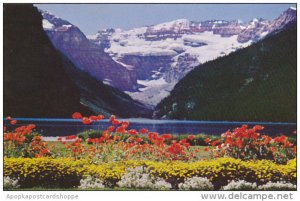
(63, 127)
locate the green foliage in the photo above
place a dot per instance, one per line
(17, 148)
(29, 137)
(257, 83)
(198, 141)
(90, 134)
(293, 140)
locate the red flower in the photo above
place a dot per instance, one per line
(76, 115)
(21, 140)
(105, 134)
(138, 140)
(125, 124)
(239, 143)
(132, 132)
(86, 120)
(191, 137)
(143, 130)
(112, 118)
(187, 145)
(111, 128)
(130, 139)
(116, 137)
(295, 149)
(13, 122)
(280, 139)
(166, 136)
(31, 126)
(216, 142)
(254, 136)
(100, 117)
(70, 137)
(101, 139)
(37, 138)
(153, 135)
(175, 148)
(205, 149)
(258, 127)
(74, 150)
(267, 139)
(115, 122)
(90, 140)
(94, 118)
(38, 155)
(120, 129)
(44, 151)
(229, 141)
(272, 149)
(183, 141)
(207, 140)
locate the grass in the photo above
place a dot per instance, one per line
(58, 147)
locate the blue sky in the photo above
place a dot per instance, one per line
(92, 17)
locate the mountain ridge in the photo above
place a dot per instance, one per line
(154, 58)
(257, 83)
(40, 81)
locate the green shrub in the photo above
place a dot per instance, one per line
(90, 134)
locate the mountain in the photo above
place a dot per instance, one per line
(147, 62)
(162, 54)
(39, 81)
(35, 83)
(105, 99)
(257, 83)
(86, 55)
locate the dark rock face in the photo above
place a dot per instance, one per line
(286, 17)
(104, 99)
(181, 27)
(88, 56)
(151, 67)
(102, 38)
(39, 81)
(185, 63)
(259, 26)
(35, 83)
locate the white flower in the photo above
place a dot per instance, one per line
(10, 183)
(91, 182)
(196, 183)
(161, 184)
(278, 186)
(240, 185)
(140, 178)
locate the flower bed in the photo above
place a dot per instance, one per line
(65, 172)
(119, 157)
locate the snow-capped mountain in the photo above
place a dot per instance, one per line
(164, 53)
(154, 58)
(86, 55)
